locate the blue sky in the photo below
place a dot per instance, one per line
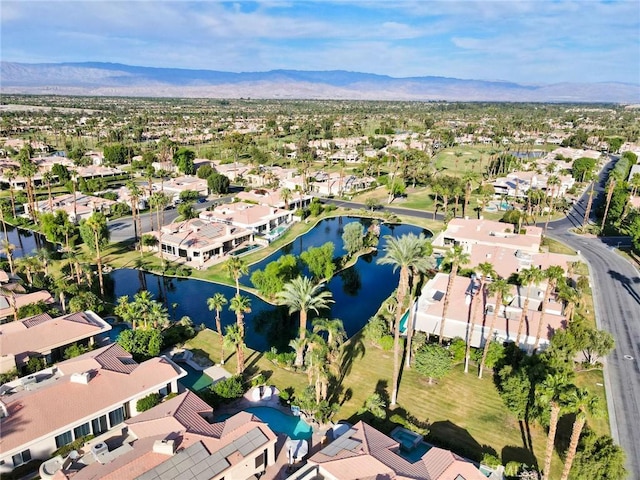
(536, 41)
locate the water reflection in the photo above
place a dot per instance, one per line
(357, 291)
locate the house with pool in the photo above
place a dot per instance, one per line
(91, 394)
(42, 336)
(430, 305)
(177, 439)
(260, 219)
(199, 240)
(274, 198)
(364, 452)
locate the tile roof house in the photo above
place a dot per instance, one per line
(364, 453)
(85, 205)
(273, 198)
(199, 240)
(430, 305)
(259, 219)
(88, 394)
(8, 303)
(469, 232)
(44, 336)
(177, 439)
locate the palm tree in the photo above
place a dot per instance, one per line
(44, 256)
(299, 344)
(587, 211)
(96, 225)
(582, 403)
(236, 267)
(528, 278)
(217, 302)
(159, 201)
(336, 334)
(134, 194)
(408, 253)
(553, 181)
(28, 264)
(610, 188)
(456, 257)
(501, 289)
(550, 395)
(286, 194)
(317, 366)
(27, 170)
(486, 270)
(7, 249)
(74, 264)
(234, 339)
(240, 305)
(571, 297)
(47, 177)
(553, 274)
(10, 174)
(301, 295)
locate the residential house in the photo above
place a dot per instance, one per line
(82, 208)
(259, 219)
(13, 300)
(273, 198)
(179, 439)
(175, 186)
(430, 306)
(86, 395)
(366, 453)
(42, 336)
(469, 232)
(198, 240)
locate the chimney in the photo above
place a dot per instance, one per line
(82, 378)
(164, 447)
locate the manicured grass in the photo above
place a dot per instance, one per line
(208, 342)
(593, 380)
(557, 247)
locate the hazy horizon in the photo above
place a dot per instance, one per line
(529, 42)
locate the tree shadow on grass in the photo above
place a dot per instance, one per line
(446, 434)
(511, 453)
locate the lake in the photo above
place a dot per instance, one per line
(358, 291)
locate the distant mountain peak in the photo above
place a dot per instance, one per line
(115, 79)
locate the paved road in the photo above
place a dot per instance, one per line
(122, 229)
(617, 299)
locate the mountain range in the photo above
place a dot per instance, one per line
(112, 79)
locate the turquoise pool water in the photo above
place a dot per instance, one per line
(416, 453)
(195, 380)
(116, 330)
(279, 422)
(245, 249)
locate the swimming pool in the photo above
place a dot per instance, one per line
(195, 380)
(116, 330)
(279, 422)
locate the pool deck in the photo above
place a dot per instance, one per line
(281, 469)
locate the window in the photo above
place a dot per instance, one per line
(63, 439)
(81, 431)
(260, 459)
(99, 425)
(116, 417)
(20, 458)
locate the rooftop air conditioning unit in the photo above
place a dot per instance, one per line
(98, 449)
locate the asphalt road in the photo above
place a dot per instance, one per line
(122, 229)
(616, 287)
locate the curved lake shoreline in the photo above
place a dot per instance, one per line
(358, 290)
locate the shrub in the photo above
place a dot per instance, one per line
(75, 445)
(8, 376)
(285, 359)
(512, 469)
(491, 460)
(148, 402)
(375, 329)
(457, 349)
(74, 350)
(225, 390)
(386, 342)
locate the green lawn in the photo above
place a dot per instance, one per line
(463, 413)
